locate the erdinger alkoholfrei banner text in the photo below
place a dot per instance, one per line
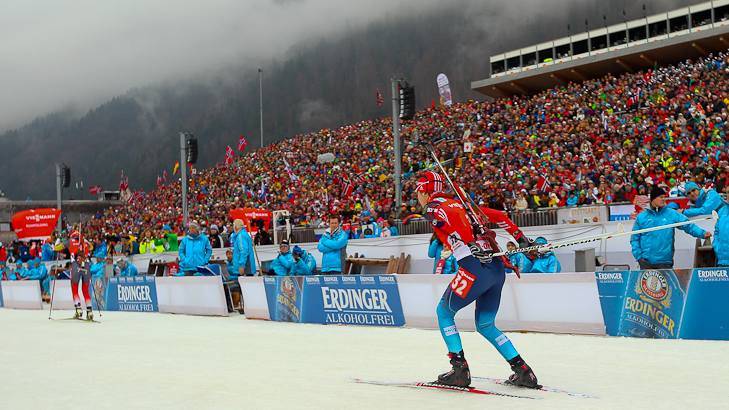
(131, 293)
(284, 294)
(705, 314)
(653, 303)
(353, 300)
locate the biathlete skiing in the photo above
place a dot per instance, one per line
(80, 272)
(480, 278)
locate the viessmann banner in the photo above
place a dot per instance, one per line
(353, 300)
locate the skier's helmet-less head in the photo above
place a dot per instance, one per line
(430, 182)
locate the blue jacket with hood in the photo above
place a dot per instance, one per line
(706, 202)
(658, 246)
(194, 251)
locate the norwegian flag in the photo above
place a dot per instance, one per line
(292, 176)
(228, 156)
(124, 184)
(360, 178)
(591, 161)
(95, 189)
(159, 180)
(164, 177)
(347, 189)
(543, 184)
(242, 142)
(379, 98)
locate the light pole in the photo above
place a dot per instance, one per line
(260, 90)
(396, 145)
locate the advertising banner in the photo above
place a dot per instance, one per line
(284, 294)
(353, 300)
(582, 215)
(131, 293)
(611, 286)
(621, 212)
(35, 223)
(705, 314)
(653, 303)
(97, 289)
(444, 89)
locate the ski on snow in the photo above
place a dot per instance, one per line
(80, 320)
(427, 385)
(504, 382)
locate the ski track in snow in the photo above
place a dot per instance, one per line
(164, 361)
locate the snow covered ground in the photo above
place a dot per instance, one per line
(163, 361)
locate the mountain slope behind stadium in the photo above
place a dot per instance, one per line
(317, 85)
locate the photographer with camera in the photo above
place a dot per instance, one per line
(370, 228)
(304, 262)
(284, 262)
(262, 236)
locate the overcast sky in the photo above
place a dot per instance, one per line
(81, 53)
(55, 53)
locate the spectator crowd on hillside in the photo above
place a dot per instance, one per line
(606, 140)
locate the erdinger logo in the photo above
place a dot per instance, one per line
(287, 286)
(654, 284)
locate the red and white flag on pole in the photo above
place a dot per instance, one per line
(95, 189)
(159, 180)
(164, 177)
(124, 184)
(242, 142)
(543, 184)
(228, 156)
(347, 189)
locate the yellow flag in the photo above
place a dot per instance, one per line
(177, 166)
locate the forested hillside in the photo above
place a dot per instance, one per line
(315, 85)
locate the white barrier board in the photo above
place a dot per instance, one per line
(191, 295)
(255, 301)
(22, 294)
(554, 303)
(62, 296)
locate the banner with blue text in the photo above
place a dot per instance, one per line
(353, 300)
(131, 293)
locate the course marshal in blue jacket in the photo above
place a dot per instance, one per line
(655, 249)
(195, 249)
(243, 254)
(333, 246)
(704, 201)
(721, 233)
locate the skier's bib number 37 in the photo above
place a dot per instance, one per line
(462, 283)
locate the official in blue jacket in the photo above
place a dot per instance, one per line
(195, 250)
(333, 246)
(546, 262)
(97, 269)
(284, 262)
(450, 265)
(124, 268)
(47, 253)
(654, 250)
(243, 254)
(704, 201)
(519, 260)
(370, 228)
(304, 262)
(38, 270)
(721, 233)
(18, 272)
(434, 250)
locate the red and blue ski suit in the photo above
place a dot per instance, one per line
(473, 281)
